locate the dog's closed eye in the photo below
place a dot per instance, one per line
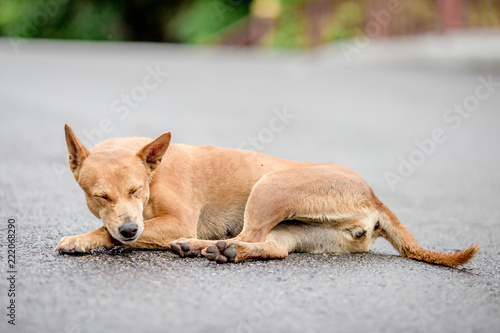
(102, 196)
(132, 192)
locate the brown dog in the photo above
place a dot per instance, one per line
(265, 207)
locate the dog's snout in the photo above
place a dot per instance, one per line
(128, 229)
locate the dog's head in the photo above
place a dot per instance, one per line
(116, 182)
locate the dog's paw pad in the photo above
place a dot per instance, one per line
(175, 248)
(221, 260)
(183, 249)
(211, 252)
(230, 252)
(220, 252)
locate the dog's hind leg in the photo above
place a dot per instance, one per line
(325, 194)
(287, 237)
(321, 208)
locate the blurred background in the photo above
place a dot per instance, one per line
(297, 24)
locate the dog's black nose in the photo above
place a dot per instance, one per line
(128, 229)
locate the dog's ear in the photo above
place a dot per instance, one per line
(152, 153)
(77, 151)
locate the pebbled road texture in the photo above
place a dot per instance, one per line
(368, 114)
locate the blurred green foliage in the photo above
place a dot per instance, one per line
(60, 19)
(297, 23)
(193, 21)
(201, 21)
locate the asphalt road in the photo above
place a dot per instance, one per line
(386, 114)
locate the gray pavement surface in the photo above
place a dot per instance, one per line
(368, 114)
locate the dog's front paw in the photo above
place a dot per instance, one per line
(79, 244)
(188, 247)
(72, 245)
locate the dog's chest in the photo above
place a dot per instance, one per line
(220, 224)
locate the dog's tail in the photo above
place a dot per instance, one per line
(403, 241)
